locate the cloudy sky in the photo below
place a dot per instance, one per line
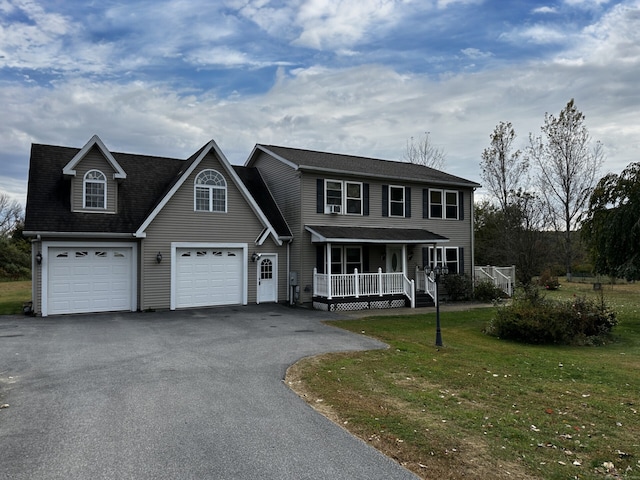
(349, 76)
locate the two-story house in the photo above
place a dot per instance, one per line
(124, 232)
(365, 228)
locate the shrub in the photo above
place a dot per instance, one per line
(486, 291)
(459, 287)
(548, 281)
(534, 319)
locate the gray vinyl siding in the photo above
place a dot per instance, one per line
(457, 231)
(284, 183)
(295, 192)
(94, 160)
(178, 222)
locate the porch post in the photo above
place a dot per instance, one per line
(329, 271)
(315, 281)
(404, 259)
(380, 281)
(356, 284)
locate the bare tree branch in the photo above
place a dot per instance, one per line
(505, 171)
(424, 152)
(10, 214)
(568, 165)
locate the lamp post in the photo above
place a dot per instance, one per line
(437, 272)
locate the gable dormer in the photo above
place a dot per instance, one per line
(95, 175)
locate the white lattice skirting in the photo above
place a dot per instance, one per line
(358, 305)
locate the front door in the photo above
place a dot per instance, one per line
(394, 259)
(267, 278)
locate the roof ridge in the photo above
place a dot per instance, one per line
(343, 155)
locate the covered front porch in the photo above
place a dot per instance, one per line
(364, 267)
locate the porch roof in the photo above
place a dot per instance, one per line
(325, 234)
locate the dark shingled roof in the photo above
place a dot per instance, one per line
(258, 189)
(48, 198)
(375, 234)
(364, 166)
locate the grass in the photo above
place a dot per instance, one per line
(13, 295)
(482, 407)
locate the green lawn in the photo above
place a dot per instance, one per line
(13, 295)
(482, 407)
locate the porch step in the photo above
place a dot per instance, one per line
(424, 300)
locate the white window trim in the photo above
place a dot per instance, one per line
(442, 255)
(344, 184)
(443, 205)
(404, 201)
(84, 189)
(457, 197)
(210, 189)
(347, 198)
(343, 258)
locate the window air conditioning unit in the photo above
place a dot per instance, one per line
(335, 209)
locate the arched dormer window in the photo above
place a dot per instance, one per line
(95, 189)
(210, 192)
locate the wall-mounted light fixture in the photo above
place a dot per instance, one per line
(38, 258)
(255, 256)
(159, 257)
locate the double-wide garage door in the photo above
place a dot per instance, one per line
(82, 280)
(209, 276)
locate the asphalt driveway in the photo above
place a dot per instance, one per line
(194, 394)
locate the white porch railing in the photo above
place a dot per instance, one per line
(362, 284)
(502, 277)
(426, 283)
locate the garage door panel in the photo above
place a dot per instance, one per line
(209, 277)
(83, 280)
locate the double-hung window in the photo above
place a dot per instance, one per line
(345, 259)
(333, 199)
(353, 192)
(210, 192)
(396, 201)
(343, 197)
(438, 256)
(95, 189)
(444, 204)
(451, 205)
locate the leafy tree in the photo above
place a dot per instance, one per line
(504, 171)
(424, 152)
(612, 226)
(568, 164)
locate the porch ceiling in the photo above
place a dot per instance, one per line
(325, 234)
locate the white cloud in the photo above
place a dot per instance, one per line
(537, 34)
(545, 9)
(340, 23)
(476, 53)
(586, 3)
(370, 109)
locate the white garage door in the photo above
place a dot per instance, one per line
(209, 276)
(82, 280)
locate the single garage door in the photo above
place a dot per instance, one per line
(82, 280)
(209, 276)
